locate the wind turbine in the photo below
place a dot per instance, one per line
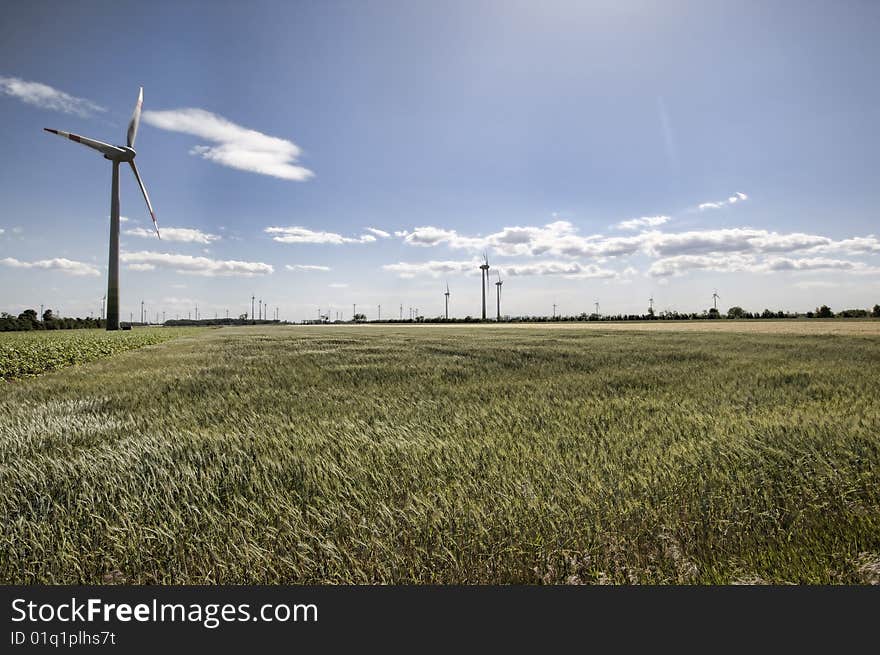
(715, 299)
(117, 155)
(484, 279)
(651, 304)
(447, 300)
(498, 291)
(597, 307)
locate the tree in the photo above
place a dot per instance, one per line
(876, 311)
(824, 312)
(47, 315)
(713, 313)
(735, 312)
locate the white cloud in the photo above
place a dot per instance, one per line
(644, 221)
(236, 146)
(738, 263)
(56, 264)
(732, 200)
(124, 219)
(296, 234)
(47, 97)
(379, 233)
(568, 269)
(195, 265)
(184, 234)
(141, 267)
(306, 267)
(432, 268)
(561, 239)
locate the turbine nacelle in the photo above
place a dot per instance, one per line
(125, 154)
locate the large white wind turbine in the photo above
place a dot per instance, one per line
(117, 155)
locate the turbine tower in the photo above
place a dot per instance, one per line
(117, 155)
(447, 300)
(715, 299)
(484, 279)
(651, 304)
(498, 292)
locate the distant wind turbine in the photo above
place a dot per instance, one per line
(715, 299)
(447, 300)
(117, 155)
(498, 292)
(484, 279)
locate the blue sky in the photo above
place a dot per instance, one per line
(608, 151)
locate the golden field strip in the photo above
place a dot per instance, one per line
(699, 452)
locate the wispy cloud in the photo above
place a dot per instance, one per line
(338, 285)
(68, 266)
(235, 146)
(732, 200)
(183, 234)
(306, 267)
(296, 234)
(47, 97)
(194, 265)
(382, 234)
(643, 222)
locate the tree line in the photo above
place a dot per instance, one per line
(735, 313)
(29, 319)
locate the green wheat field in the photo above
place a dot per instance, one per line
(637, 454)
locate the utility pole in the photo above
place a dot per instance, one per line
(252, 308)
(554, 311)
(353, 311)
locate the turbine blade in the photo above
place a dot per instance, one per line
(100, 146)
(146, 197)
(135, 119)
